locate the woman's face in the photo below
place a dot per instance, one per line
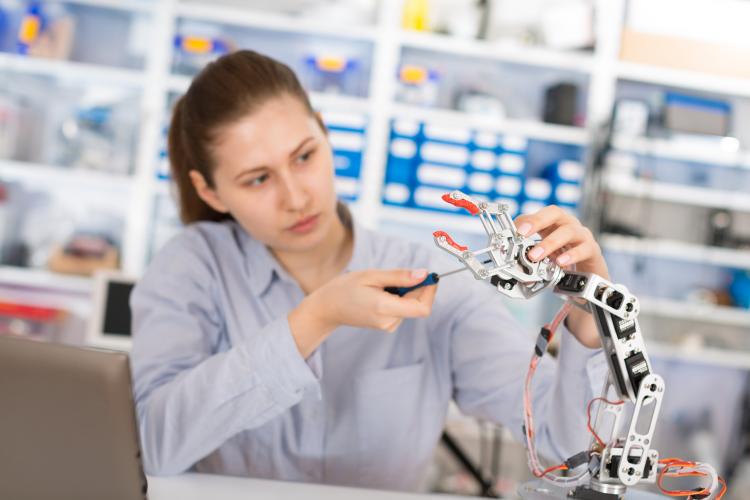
(274, 174)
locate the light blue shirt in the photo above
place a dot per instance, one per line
(220, 386)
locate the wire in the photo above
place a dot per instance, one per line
(676, 467)
(588, 415)
(534, 464)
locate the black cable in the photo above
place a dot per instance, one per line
(486, 487)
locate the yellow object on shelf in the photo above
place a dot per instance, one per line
(412, 74)
(30, 29)
(416, 15)
(331, 64)
(197, 45)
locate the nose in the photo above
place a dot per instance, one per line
(294, 195)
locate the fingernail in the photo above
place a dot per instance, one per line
(419, 273)
(535, 253)
(524, 228)
(563, 259)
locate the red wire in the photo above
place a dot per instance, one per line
(676, 462)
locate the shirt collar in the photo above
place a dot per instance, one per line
(264, 269)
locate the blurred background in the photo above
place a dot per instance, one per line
(632, 114)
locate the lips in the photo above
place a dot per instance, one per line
(305, 224)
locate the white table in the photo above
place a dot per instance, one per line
(212, 487)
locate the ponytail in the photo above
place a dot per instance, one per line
(181, 161)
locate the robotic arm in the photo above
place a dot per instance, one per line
(626, 458)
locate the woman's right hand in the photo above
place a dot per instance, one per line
(358, 299)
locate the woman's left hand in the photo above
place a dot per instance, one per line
(567, 242)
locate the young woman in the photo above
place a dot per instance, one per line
(264, 344)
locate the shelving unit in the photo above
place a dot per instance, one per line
(68, 70)
(546, 58)
(681, 79)
(677, 250)
(719, 315)
(682, 151)
(26, 171)
(677, 193)
(237, 16)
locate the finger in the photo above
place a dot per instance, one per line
(392, 325)
(395, 277)
(578, 254)
(402, 307)
(426, 294)
(529, 224)
(563, 235)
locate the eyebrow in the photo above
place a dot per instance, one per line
(262, 167)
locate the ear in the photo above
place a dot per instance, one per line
(206, 192)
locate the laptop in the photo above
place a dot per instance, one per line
(67, 424)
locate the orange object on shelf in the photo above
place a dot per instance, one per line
(61, 262)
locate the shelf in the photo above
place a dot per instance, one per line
(676, 193)
(126, 5)
(46, 280)
(693, 311)
(678, 250)
(691, 151)
(528, 128)
(517, 54)
(432, 221)
(704, 355)
(70, 71)
(683, 79)
(180, 84)
(270, 21)
(44, 174)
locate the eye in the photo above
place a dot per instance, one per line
(303, 158)
(257, 181)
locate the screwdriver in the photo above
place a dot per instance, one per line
(431, 279)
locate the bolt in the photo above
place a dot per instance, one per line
(646, 441)
(442, 239)
(632, 438)
(508, 286)
(483, 273)
(483, 205)
(455, 195)
(652, 387)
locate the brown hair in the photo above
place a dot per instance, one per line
(224, 91)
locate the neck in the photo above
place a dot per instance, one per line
(313, 268)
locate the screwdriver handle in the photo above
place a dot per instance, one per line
(431, 279)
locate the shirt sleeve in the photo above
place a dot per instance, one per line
(490, 355)
(190, 398)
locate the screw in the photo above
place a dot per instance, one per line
(483, 273)
(508, 286)
(483, 205)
